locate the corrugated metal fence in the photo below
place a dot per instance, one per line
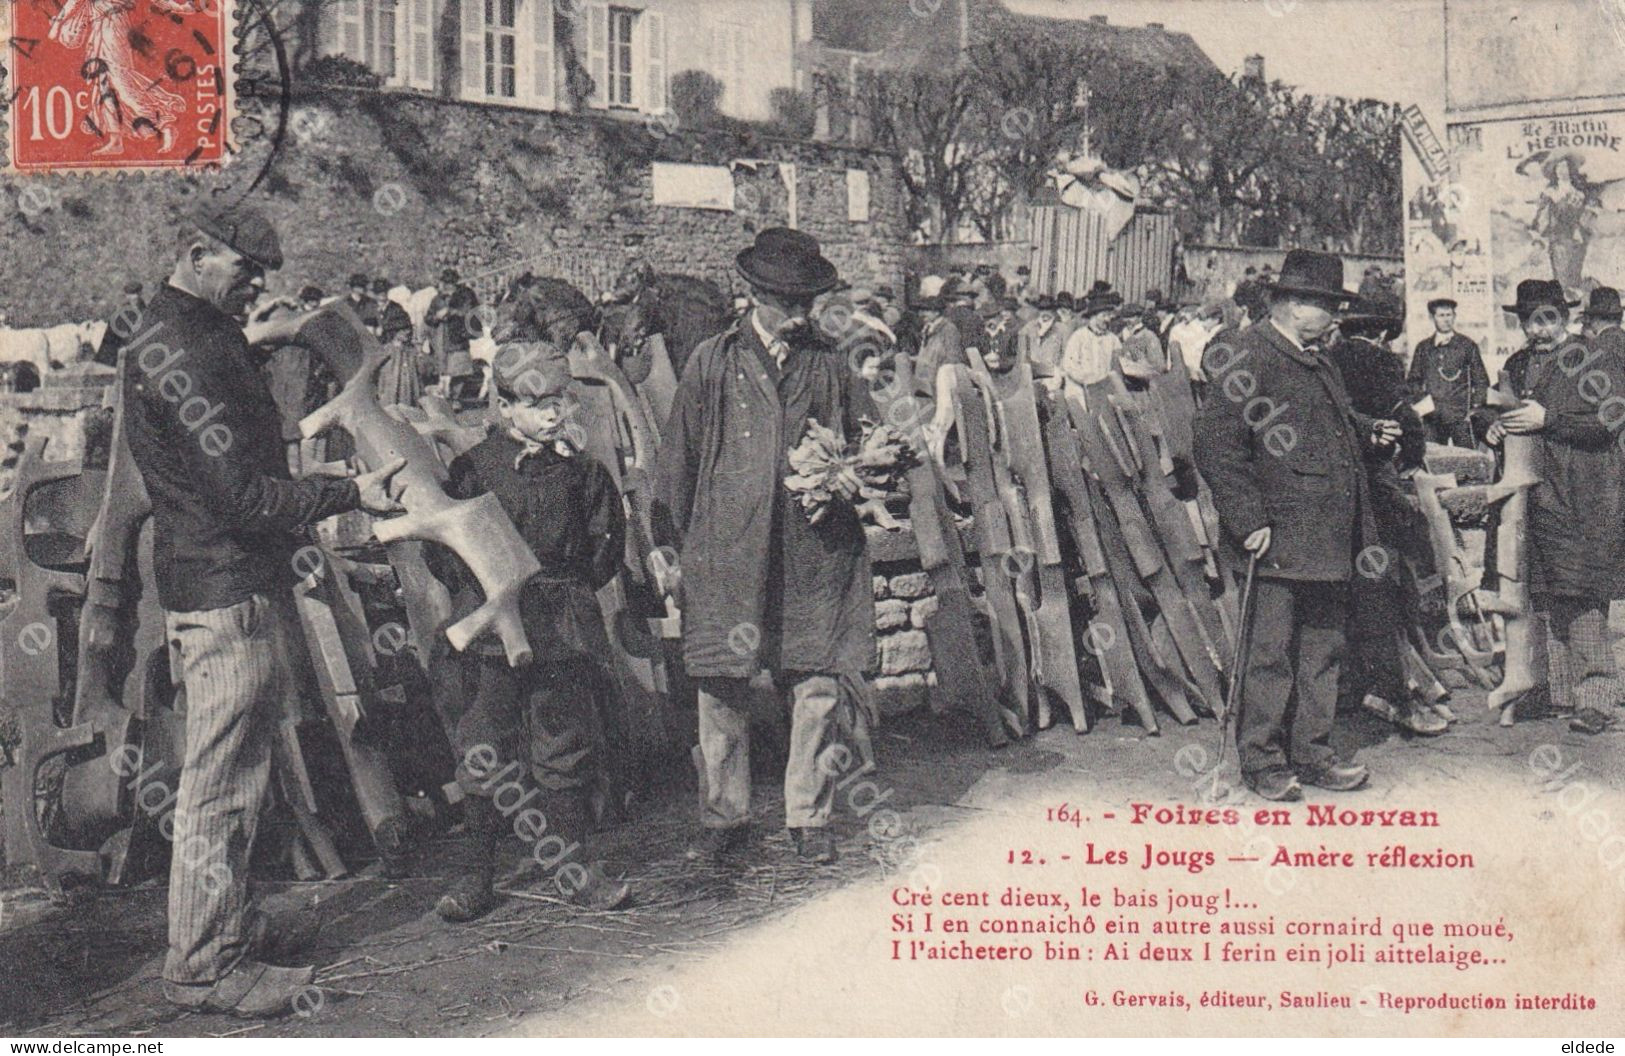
(1071, 251)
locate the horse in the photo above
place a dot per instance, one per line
(682, 309)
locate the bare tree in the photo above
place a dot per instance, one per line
(934, 123)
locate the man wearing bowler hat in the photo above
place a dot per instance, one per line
(761, 586)
(204, 432)
(1283, 451)
(1449, 368)
(1570, 391)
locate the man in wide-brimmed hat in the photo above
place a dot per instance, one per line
(1373, 672)
(204, 432)
(940, 342)
(762, 587)
(1283, 451)
(1041, 341)
(1449, 368)
(1570, 388)
(1091, 352)
(1142, 356)
(453, 324)
(1602, 318)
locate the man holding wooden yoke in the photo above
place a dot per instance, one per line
(1282, 450)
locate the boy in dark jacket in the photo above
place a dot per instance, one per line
(530, 745)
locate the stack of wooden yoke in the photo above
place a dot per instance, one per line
(1102, 585)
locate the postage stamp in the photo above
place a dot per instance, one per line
(117, 84)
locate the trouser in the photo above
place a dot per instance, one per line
(1450, 430)
(532, 740)
(809, 790)
(231, 666)
(1580, 667)
(1297, 644)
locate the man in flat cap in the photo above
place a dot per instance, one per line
(763, 586)
(203, 430)
(1449, 367)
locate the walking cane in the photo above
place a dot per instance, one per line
(1238, 669)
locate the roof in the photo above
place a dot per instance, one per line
(913, 34)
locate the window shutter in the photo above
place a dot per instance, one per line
(736, 78)
(419, 63)
(541, 56)
(473, 19)
(351, 42)
(654, 69)
(598, 53)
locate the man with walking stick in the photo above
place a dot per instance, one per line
(1281, 448)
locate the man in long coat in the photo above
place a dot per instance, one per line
(1569, 387)
(1449, 368)
(1282, 450)
(761, 586)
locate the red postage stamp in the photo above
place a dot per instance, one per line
(117, 84)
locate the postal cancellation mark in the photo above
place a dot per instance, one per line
(117, 84)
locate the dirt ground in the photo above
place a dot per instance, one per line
(390, 967)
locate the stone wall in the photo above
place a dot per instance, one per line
(402, 185)
(903, 600)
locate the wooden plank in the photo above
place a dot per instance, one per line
(1023, 446)
(993, 543)
(1109, 455)
(1107, 635)
(963, 681)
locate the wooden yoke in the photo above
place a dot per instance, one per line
(477, 530)
(1520, 472)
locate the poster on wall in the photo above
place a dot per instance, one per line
(1552, 206)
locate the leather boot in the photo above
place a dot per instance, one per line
(470, 894)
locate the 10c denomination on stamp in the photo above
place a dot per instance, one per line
(117, 84)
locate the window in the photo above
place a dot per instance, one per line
(622, 22)
(626, 57)
(391, 37)
(728, 63)
(384, 37)
(501, 49)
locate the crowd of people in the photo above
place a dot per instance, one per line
(1325, 362)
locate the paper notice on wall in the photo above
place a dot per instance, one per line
(693, 186)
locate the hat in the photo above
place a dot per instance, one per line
(358, 279)
(1534, 294)
(1010, 304)
(1064, 299)
(1100, 286)
(450, 277)
(1440, 302)
(1106, 301)
(133, 288)
(1045, 303)
(380, 285)
(311, 293)
(1604, 303)
(1312, 273)
(886, 293)
(786, 262)
(952, 290)
(247, 230)
(1377, 317)
(533, 369)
